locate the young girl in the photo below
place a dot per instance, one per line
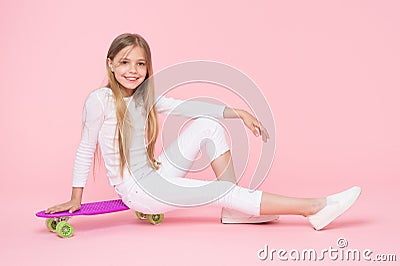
(121, 120)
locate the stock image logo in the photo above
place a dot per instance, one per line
(340, 252)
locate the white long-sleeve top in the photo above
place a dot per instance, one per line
(99, 124)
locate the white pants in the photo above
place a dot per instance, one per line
(165, 189)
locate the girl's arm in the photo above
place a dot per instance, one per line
(188, 108)
(249, 120)
(191, 108)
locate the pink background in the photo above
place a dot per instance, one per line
(329, 70)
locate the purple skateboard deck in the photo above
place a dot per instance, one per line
(91, 208)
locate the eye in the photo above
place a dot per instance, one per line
(141, 64)
(124, 62)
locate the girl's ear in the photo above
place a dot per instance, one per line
(110, 64)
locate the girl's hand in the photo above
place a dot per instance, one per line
(70, 206)
(254, 125)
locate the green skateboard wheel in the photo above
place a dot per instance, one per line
(155, 218)
(64, 229)
(51, 224)
(140, 215)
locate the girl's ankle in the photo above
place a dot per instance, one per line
(315, 206)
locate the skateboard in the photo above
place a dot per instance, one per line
(58, 222)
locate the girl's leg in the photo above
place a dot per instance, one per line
(177, 159)
(272, 204)
(319, 211)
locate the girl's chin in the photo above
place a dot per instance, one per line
(129, 87)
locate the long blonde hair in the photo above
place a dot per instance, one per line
(145, 92)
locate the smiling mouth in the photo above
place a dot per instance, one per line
(131, 78)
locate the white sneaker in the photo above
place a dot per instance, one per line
(229, 216)
(336, 205)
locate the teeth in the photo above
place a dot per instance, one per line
(131, 79)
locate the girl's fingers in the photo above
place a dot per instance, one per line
(255, 129)
(57, 208)
(74, 209)
(265, 137)
(266, 132)
(51, 209)
(261, 131)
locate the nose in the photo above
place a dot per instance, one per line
(133, 68)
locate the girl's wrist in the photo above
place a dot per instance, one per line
(240, 113)
(233, 113)
(77, 194)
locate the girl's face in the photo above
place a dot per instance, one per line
(129, 67)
